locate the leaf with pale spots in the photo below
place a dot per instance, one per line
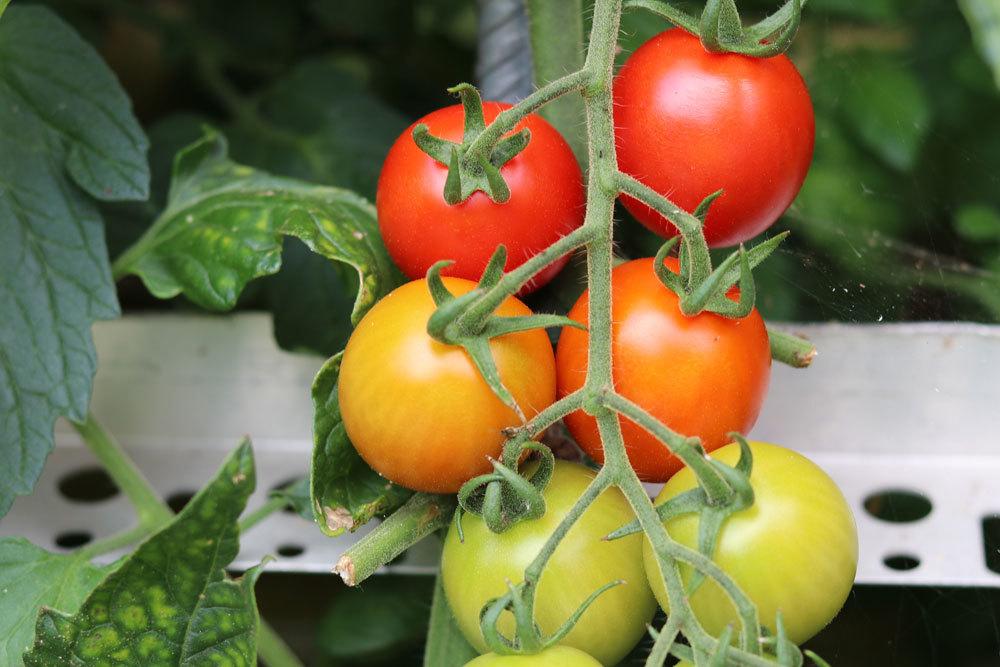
(223, 227)
(346, 492)
(170, 602)
(67, 137)
(31, 577)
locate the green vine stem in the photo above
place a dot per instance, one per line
(272, 649)
(3, 6)
(420, 516)
(149, 507)
(792, 350)
(605, 182)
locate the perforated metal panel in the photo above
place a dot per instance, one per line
(910, 407)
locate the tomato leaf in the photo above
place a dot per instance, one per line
(30, 578)
(346, 492)
(297, 496)
(383, 623)
(169, 602)
(327, 128)
(223, 227)
(446, 646)
(68, 136)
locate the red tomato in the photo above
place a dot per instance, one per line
(689, 122)
(417, 410)
(703, 376)
(420, 228)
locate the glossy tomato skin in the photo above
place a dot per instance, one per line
(689, 122)
(417, 410)
(702, 376)
(474, 571)
(557, 656)
(795, 549)
(420, 228)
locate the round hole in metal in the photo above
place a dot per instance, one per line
(898, 505)
(88, 485)
(291, 550)
(71, 539)
(901, 562)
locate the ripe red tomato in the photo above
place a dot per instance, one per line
(557, 656)
(689, 122)
(475, 571)
(417, 410)
(703, 376)
(420, 228)
(795, 549)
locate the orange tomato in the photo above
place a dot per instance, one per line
(417, 410)
(702, 376)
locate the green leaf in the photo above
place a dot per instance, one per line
(30, 578)
(223, 226)
(68, 134)
(983, 17)
(887, 108)
(297, 495)
(978, 222)
(170, 602)
(383, 623)
(346, 492)
(446, 646)
(325, 127)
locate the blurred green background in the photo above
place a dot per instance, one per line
(899, 218)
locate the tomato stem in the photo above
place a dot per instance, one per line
(149, 507)
(420, 516)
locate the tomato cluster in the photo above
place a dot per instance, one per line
(418, 410)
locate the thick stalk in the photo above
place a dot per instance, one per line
(792, 350)
(149, 507)
(420, 516)
(272, 649)
(556, 30)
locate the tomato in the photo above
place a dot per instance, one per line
(417, 410)
(420, 228)
(795, 549)
(475, 571)
(703, 376)
(689, 122)
(557, 656)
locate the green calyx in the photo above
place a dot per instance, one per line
(459, 321)
(707, 290)
(721, 30)
(470, 167)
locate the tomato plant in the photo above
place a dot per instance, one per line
(557, 656)
(672, 365)
(795, 550)
(398, 386)
(689, 122)
(419, 228)
(475, 570)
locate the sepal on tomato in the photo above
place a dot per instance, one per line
(721, 29)
(468, 171)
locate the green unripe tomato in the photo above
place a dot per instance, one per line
(476, 570)
(794, 550)
(557, 656)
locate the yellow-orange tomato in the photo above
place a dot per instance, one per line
(417, 410)
(702, 376)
